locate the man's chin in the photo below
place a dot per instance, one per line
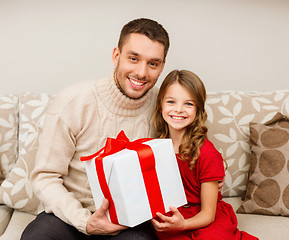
(135, 96)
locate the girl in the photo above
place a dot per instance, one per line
(180, 115)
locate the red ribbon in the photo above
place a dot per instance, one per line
(147, 164)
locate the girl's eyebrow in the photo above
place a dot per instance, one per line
(169, 97)
(188, 100)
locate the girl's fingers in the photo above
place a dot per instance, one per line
(163, 217)
(156, 224)
(175, 211)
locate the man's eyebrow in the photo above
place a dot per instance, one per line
(133, 53)
(157, 60)
(137, 54)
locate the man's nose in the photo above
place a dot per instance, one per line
(141, 70)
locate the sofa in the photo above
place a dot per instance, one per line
(231, 115)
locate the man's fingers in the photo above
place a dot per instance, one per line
(116, 229)
(104, 206)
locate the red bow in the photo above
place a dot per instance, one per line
(147, 164)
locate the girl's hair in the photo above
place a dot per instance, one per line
(196, 132)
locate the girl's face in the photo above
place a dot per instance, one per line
(178, 108)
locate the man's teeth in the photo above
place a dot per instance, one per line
(136, 82)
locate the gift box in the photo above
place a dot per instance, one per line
(138, 178)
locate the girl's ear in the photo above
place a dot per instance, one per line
(115, 56)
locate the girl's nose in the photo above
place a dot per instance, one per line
(179, 108)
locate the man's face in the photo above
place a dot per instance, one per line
(138, 65)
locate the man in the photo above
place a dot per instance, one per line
(78, 123)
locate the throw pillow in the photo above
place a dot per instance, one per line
(229, 115)
(268, 186)
(16, 191)
(8, 133)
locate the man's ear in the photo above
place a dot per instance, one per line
(115, 56)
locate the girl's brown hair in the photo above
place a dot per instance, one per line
(196, 132)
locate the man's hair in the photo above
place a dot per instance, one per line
(150, 28)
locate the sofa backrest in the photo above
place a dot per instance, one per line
(29, 112)
(229, 115)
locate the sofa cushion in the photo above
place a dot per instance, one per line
(16, 191)
(268, 186)
(17, 224)
(261, 226)
(8, 133)
(229, 115)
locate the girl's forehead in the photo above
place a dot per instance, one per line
(176, 89)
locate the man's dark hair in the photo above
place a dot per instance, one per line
(150, 28)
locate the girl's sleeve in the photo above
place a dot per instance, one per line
(210, 163)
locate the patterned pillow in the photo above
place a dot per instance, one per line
(8, 133)
(229, 115)
(16, 191)
(268, 186)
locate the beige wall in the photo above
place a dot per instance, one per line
(46, 45)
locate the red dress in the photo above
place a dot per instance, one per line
(209, 167)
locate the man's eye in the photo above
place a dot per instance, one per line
(153, 64)
(133, 59)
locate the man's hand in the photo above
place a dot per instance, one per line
(98, 223)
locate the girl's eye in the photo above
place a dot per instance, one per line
(170, 101)
(190, 104)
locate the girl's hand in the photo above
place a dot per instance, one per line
(175, 222)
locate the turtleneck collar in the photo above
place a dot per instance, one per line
(115, 101)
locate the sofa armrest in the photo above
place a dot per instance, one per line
(5, 216)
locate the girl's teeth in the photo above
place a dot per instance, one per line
(177, 118)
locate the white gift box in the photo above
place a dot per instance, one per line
(127, 186)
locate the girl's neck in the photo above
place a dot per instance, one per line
(176, 137)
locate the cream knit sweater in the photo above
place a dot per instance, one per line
(77, 124)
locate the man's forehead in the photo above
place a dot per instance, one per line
(140, 45)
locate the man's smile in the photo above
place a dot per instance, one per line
(136, 83)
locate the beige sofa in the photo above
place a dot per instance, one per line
(229, 115)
